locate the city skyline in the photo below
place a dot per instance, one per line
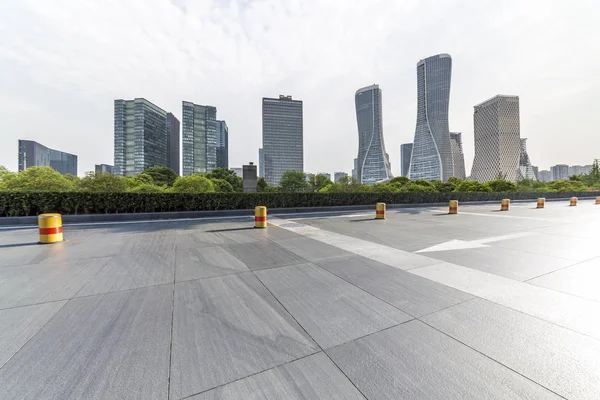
(67, 82)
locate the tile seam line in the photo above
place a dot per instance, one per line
(172, 323)
(560, 269)
(308, 334)
(492, 359)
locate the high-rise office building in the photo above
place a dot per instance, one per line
(405, 155)
(339, 175)
(536, 172)
(526, 170)
(497, 139)
(283, 138)
(580, 169)
(199, 138)
(238, 171)
(325, 174)
(34, 154)
(432, 151)
(545, 176)
(222, 144)
(104, 169)
(173, 143)
(560, 172)
(261, 163)
(458, 156)
(141, 137)
(373, 164)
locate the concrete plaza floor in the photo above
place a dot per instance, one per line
(424, 305)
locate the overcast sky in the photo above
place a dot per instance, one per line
(63, 62)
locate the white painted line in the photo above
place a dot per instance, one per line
(330, 216)
(510, 216)
(472, 244)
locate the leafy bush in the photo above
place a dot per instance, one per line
(502, 185)
(161, 176)
(472, 186)
(193, 184)
(147, 188)
(104, 183)
(38, 178)
(222, 186)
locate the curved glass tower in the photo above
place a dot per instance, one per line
(372, 163)
(432, 151)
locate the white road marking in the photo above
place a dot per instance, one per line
(509, 216)
(472, 244)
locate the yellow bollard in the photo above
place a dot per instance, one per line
(598, 200)
(453, 207)
(540, 202)
(380, 211)
(504, 205)
(50, 228)
(260, 217)
(573, 202)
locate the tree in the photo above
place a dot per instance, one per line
(293, 181)
(104, 182)
(221, 185)
(227, 175)
(318, 181)
(502, 185)
(39, 178)
(593, 178)
(162, 176)
(403, 180)
(261, 185)
(147, 188)
(195, 183)
(472, 186)
(567, 186)
(5, 176)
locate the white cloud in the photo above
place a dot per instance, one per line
(63, 62)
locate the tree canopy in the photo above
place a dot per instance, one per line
(39, 178)
(293, 181)
(161, 176)
(193, 184)
(227, 175)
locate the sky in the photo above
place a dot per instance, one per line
(63, 62)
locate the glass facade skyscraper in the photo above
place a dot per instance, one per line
(222, 144)
(141, 137)
(372, 163)
(173, 143)
(458, 156)
(34, 154)
(432, 152)
(199, 138)
(261, 163)
(283, 140)
(405, 155)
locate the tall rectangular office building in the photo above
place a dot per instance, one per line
(222, 144)
(261, 163)
(34, 154)
(141, 138)
(283, 142)
(173, 140)
(199, 138)
(405, 154)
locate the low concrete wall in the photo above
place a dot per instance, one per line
(91, 218)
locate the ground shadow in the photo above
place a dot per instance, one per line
(441, 214)
(246, 228)
(363, 220)
(2, 246)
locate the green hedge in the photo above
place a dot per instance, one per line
(33, 203)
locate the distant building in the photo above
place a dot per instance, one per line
(238, 171)
(580, 169)
(405, 154)
(560, 172)
(536, 172)
(34, 154)
(283, 137)
(497, 139)
(355, 169)
(104, 169)
(222, 144)
(173, 143)
(141, 136)
(326, 174)
(526, 170)
(458, 157)
(432, 152)
(249, 178)
(199, 138)
(545, 176)
(339, 175)
(373, 164)
(261, 163)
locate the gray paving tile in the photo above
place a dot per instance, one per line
(102, 347)
(264, 255)
(580, 280)
(311, 250)
(415, 295)
(513, 264)
(162, 242)
(564, 361)
(331, 310)
(312, 377)
(206, 262)
(23, 255)
(132, 271)
(40, 283)
(414, 361)
(21, 323)
(227, 328)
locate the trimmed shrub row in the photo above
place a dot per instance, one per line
(13, 204)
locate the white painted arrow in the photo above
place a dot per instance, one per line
(472, 244)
